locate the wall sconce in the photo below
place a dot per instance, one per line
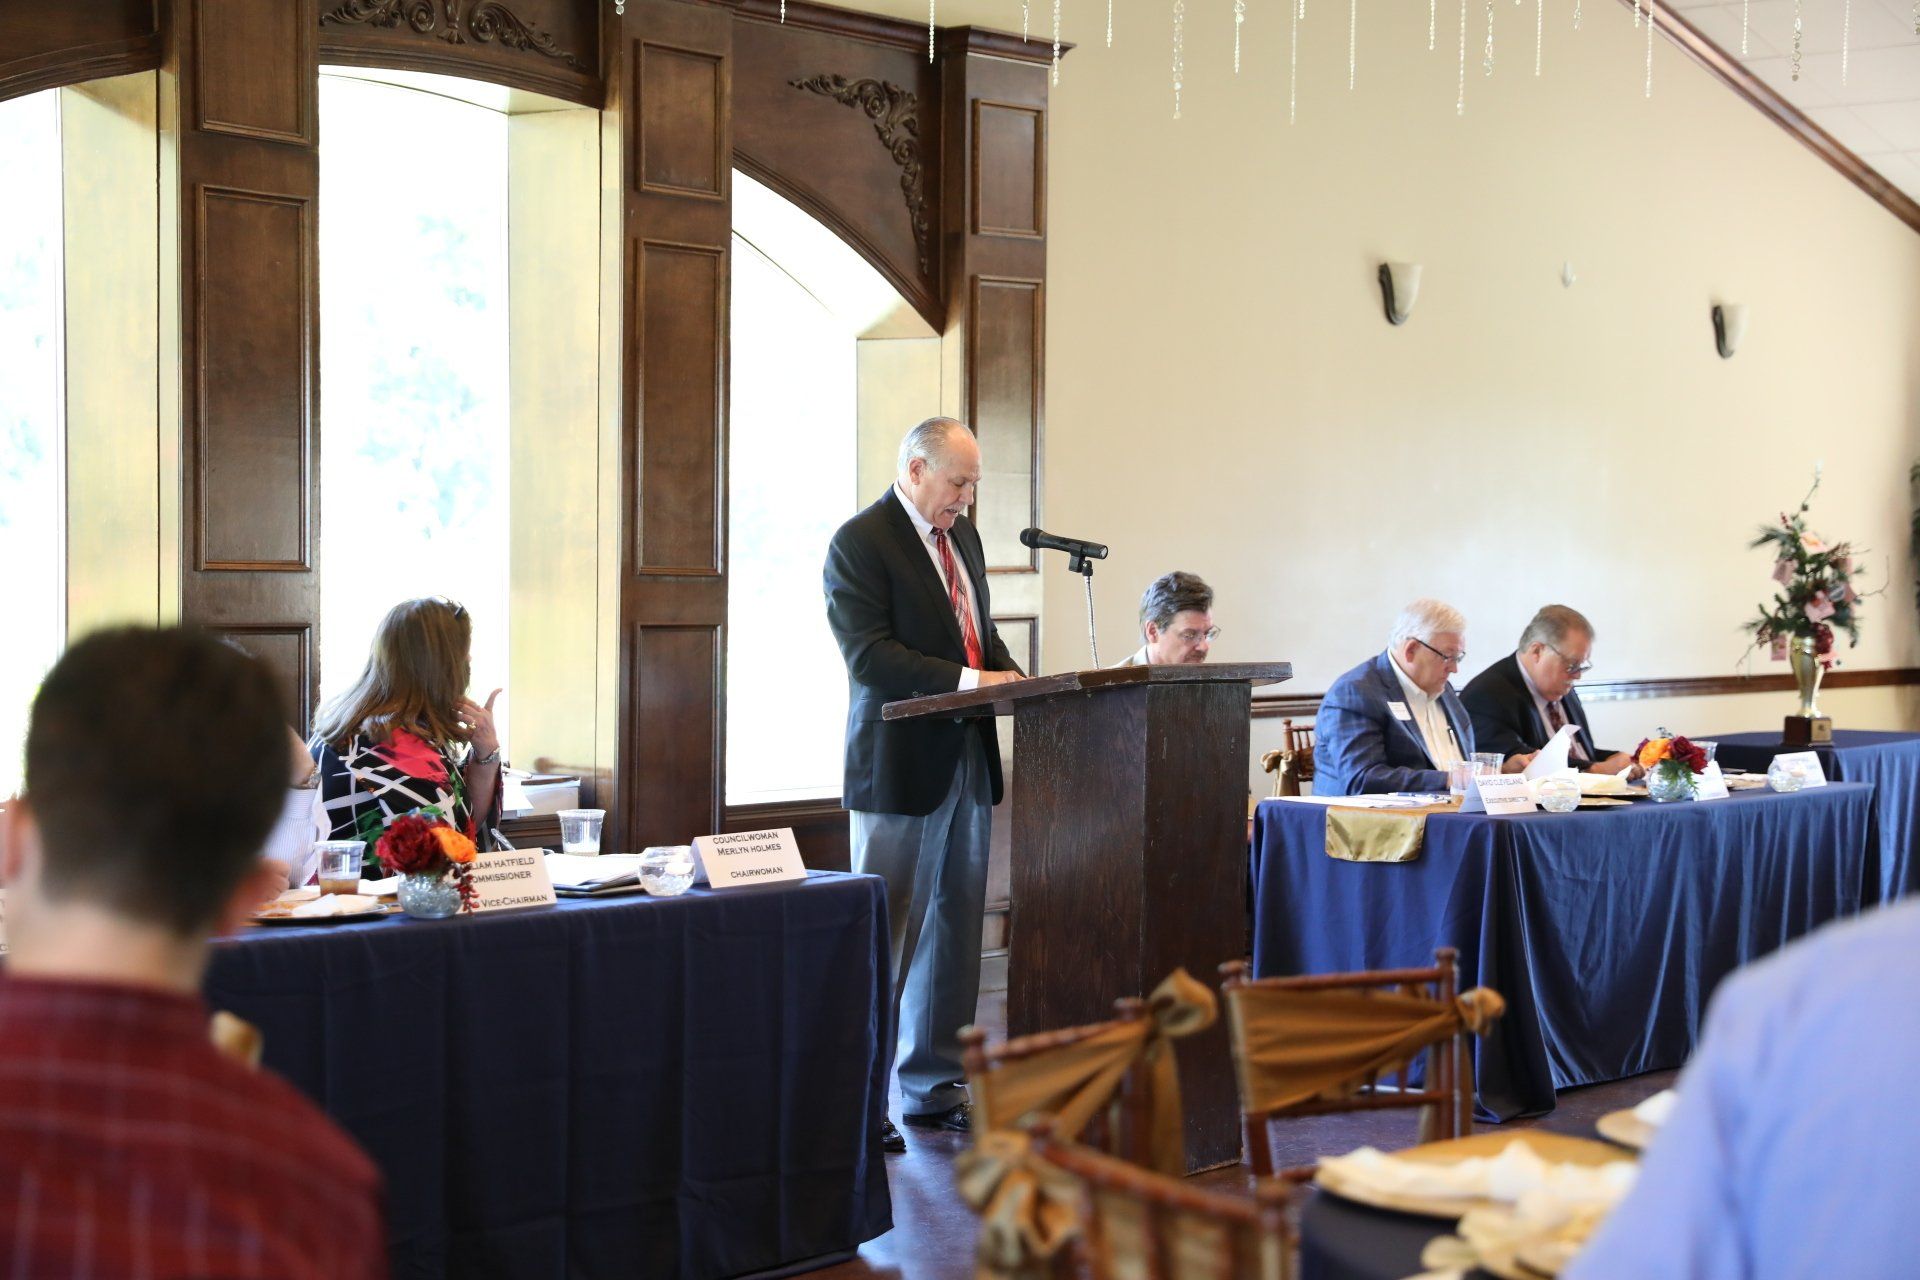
(1399, 287)
(1729, 327)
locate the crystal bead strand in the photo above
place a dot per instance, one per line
(1539, 31)
(1796, 39)
(1647, 92)
(1179, 62)
(1239, 16)
(1433, 5)
(1353, 41)
(1056, 41)
(1293, 60)
(930, 4)
(1846, 36)
(1460, 103)
(1486, 63)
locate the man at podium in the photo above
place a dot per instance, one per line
(906, 586)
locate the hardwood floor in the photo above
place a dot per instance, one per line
(933, 1232)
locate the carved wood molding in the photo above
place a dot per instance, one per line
(456, 22)
(895, 113)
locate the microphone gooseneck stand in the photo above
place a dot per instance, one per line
(1083, 565)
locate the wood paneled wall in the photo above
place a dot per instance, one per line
(244, 119)
(674, 87)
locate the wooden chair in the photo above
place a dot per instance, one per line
(1445, 1093)
(1139, 1225)
(1292, 764)
(1120, 1129)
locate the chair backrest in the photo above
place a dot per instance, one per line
(1444, 1090)
(1139, 1225)
(1292, 764)
(1120, 1129)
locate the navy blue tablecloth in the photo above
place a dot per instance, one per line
(1889, 762)
(1606, 930)
(630, 1086)
(1340, 1240)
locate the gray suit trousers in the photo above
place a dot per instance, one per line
(935, 867)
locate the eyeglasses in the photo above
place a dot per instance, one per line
(1573, 668)
(1189, 636)
(1455, 658)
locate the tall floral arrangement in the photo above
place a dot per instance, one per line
(1816, 591)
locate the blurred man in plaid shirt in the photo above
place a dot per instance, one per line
(129, 1147)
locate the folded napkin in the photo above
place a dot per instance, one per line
(1602, 784)
(592, 871)
(1512, 1177)
(1655, 1110)
(334, 904)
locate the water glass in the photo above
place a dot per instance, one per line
(1710, 748)
(580, 830)
(1558, 795)
(666, 870)
(340, 863)
(1784, 777)
(1458, 775)
(1488, 761)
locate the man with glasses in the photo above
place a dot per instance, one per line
(1522, 700)
(1176, 620)
(1393, 723)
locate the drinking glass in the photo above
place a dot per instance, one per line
(340, 863)
(1709, 747)
(666, 870)
(580, 830)
(1489, 761)
(1458, 775)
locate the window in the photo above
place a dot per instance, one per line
(32, 395)
(830, 366)
(413, 398)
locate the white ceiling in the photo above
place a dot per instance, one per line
(1874, 111)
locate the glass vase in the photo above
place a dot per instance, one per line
(429, 897)
(1670, 781)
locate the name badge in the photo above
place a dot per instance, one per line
(1806, 764)
(507, 879)
(1712, 784)
(1497, 794)
(747, 857)
(1400, 711)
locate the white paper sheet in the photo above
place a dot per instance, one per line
(588, 871)
(1368, 801)
(1552, 758)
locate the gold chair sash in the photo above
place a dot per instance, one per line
(1072, 1083)
(1291, 1046)
(1029, 1210)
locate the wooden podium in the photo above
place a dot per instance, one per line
(1129, 856)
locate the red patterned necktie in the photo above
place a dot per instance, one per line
(958, 598)
(1556, 718)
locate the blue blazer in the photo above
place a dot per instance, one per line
(1360, 746)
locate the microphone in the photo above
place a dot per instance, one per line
(1040, 540)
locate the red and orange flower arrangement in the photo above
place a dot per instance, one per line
(423, 844)
(1673, 764)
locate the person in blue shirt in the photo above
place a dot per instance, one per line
(1793, 1152)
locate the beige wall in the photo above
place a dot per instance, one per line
(1224, 394)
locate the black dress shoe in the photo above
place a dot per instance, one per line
(955, 1119)
(890, 1140)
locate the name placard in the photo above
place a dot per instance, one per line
(1806, 764)
(1498, 793)
(507, 879)
(1711, 784)
(747, 857)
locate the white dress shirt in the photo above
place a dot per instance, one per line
(1430, 718)
(1576, 749)
(969, 676)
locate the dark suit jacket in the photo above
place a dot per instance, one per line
(896, 630)
(1361, 746)
(1504, 717)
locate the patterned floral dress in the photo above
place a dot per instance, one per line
(371, 784)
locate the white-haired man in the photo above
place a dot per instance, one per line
(906, 584)
(1393, 723)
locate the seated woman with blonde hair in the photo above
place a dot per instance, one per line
(406, 736)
